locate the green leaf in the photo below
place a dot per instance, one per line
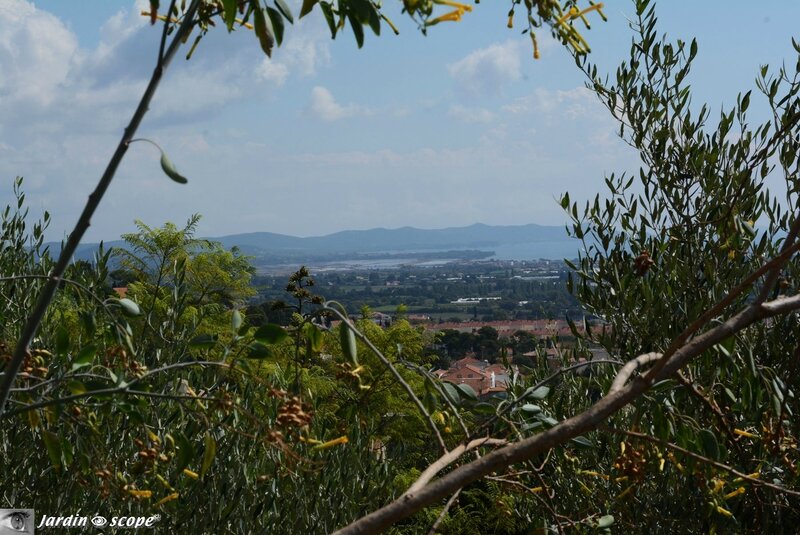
(277, 24)
(129, 308)
(358, 30)
(62, 340)
(208, 454)
(708, 440)
(549, 420)
(468, 391)
(327, 10)
(229, 9)
(185, 451)
(451, 392)
(314, 337)
(203, 341)
(169, 169)
(583, 441)
(374, 21)
(271, 334)
(530, 407)
(258, 351)
(484, 408)
(347, 339)
(285, 10)
(89, 322)
(727, 346)
(539, 393)
(53, 445)
(84, 357)
(605, 521)
(263, 33)
(308, 5)
(76, 387)
(236, 321)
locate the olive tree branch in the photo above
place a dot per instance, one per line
(550, 378)
(723, 304)
(630, 368)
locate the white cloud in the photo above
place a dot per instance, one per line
(305, 50)
(36, 54)
(486, 70)
(470, 115)
(576, 103)
(324, 106)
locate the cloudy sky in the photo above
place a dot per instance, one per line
(458, 127)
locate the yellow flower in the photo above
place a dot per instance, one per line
(331, 443)
(191, 474)
(453, 16)
(168, 498)
(625, 492)
(743, 433)
(458, 5)
(164, 482)
(141, 493)
(574, 13)
(724, 512)
(735, 493)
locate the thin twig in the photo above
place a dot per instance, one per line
(122, 389)
(702, 459)
(326, 307)
(443, 513)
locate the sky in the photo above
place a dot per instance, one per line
(449, 129)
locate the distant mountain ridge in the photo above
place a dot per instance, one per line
(399, 239)
(538, 241)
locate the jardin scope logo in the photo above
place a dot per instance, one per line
(22, 521)
(16, 521)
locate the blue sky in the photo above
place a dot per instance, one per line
(458, 127)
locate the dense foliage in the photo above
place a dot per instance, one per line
(165, 397)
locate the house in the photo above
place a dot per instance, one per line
(484, 378)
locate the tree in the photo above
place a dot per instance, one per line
(694, 274)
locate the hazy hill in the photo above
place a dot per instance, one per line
(509, 242)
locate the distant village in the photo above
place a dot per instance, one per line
(487, 375)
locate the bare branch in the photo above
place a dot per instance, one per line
(450, 457)
(632, 365)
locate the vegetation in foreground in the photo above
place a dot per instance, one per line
(168, 400)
